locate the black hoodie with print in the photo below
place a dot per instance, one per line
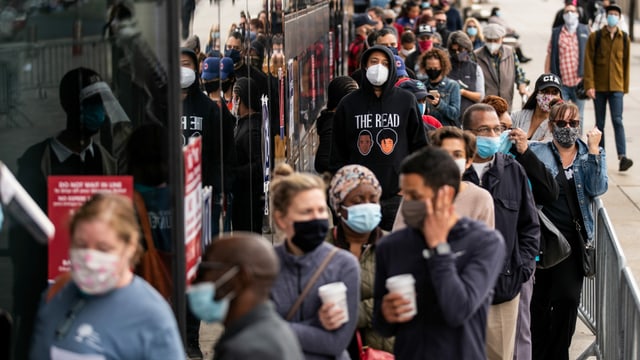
(377, 132)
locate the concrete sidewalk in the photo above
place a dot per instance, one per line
(533, 19)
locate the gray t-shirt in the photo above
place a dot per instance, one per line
(133, 322)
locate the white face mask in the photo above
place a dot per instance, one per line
(462, 165)
(493, 47)
(571, 21)
(406, 52)
(377, 74)
(95, 272)
(187, 77)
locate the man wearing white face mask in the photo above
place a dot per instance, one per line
(500, 65)
(565, 54)
(515, 217)
(390, 114)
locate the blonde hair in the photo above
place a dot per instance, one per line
(477, 24)
(115, 210)
(285, 188)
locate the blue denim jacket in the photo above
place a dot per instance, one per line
(589, 174)
(448, 109)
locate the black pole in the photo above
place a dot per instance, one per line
(632, 18)
(176, 175)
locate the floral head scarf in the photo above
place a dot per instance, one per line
(348, 178)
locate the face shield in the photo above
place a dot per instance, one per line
(112, 109)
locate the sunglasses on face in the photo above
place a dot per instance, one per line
(564, 123)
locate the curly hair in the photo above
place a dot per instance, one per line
(497, 103)
(438, 55)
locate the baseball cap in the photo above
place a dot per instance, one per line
(362, 19)
(613, 7)
(211, 68)
(401, 70)
(226, 68)
(417, 88)
(425, 29)
(548, 80)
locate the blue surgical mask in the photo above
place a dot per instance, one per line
(505, 142)
(471, 31)
(363, 218)
(202, 300)
(612, 20)
(422, 107)
(92, 116)
(1, 217)
(233, 54)
(487, 146)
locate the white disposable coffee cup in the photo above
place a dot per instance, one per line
(335, 293)
(404, 285)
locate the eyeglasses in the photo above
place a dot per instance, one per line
(564, 123)
(505, 128)
(485, 130)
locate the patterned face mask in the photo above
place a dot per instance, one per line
(566, 136)
(544, 101)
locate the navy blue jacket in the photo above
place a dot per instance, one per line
(516, 218)
(583, 35)
(453, 291)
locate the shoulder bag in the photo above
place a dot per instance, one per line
(554, 246)
(368, 353)
(588, 248)
(312, 280)
(152, 267)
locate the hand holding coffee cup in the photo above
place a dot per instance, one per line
(399, 305)
(334, 311)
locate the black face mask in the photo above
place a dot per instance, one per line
(441, 26)
(212, 86)
(226, 85)
(433, 74)
(310, 234)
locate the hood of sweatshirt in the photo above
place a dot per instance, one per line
(392, 69)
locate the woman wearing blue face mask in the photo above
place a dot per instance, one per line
(354, 195)
(301, 215)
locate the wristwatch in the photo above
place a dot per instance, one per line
(440, 249)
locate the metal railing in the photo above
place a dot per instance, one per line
(610, 303)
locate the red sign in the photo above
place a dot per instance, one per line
(67, 193)
(192, 205)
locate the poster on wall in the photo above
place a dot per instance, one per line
(192, 205)
(68, 193)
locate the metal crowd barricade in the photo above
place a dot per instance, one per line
(610, 303)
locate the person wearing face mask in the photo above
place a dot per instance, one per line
(581, 15)
(104, 309)
(515, 217)
(418, 90)
(388, 39)
(363, 25)
(379, 108)
(581, 170)
(500, 66)
(445, 105)
(600, 20)
(300, 213)
(440, 17)
(354, 195)
(544, 189)
(473, 29)
(465, 70)
(606, 78)
(248, 194)
(425, 34)
(472, 201)
(565, 54)
(88, 103)
(407, 44)
(213, 44)
(232, 288)
(534, 116)
(451, 258)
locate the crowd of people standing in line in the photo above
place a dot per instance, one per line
(431, 178)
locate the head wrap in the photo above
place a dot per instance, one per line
(346, 180)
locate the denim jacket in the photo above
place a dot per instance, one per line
(589, 174)
(448, 109)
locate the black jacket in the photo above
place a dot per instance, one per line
(544, 186)
(324, 126)
(516, 218)
(377, 132)
(202, 117)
